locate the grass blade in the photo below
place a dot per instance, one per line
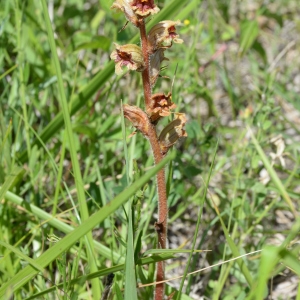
(273, 174)
(130, 277)
(46, 258)
(10, 179)
(70, 138)
(58, 224)
(22, 255)
(104, 272)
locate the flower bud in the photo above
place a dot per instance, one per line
(172, 132)
(155, 61)
(125, 7)
(163, 34)
(128, 55)
(144, 8)
(160, 106)
(138, 118)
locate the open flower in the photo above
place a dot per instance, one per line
(127, 55)
(172, 132)
(137, 117)
(155, 62)
(160, 106)
(144, 8)
(125, 7)
(163, 34)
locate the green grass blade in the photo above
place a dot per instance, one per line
(46, 258)
(273, 174)
(235, 251)
(157, 251)
(290, 260)
(8, 72)
(58, 224)
(15, 173)
(201, 204)
(15, 250)
(271, 255)
(70, 138)
(130, 277)
(104, 272)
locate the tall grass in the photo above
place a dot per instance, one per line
(67, 185)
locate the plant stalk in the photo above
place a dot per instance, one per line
(161, 224)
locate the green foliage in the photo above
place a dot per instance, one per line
(68, 170)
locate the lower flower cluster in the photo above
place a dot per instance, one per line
(142, 122)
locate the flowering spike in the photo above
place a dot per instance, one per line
(172, 132)
(127, 55)
(144, 8)
(160, 106)
(125, 7)
(138, 118)
(163, 34)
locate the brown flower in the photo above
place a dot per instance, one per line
(128, 55)
(144, 8)
(155, 61)
(163, 34)
(138, 118)
(160, 106)
(125, 7)
(172, 132)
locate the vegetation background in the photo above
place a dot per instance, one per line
(64, 152)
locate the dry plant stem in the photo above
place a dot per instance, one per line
(161, 225)
(146, 72)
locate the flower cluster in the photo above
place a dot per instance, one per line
(159, 38)
(133, 10)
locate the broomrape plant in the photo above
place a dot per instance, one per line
(147, 59)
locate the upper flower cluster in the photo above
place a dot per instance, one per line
(135, 9)
(160, 37)
(148, 60)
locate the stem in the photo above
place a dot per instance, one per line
(161, 224)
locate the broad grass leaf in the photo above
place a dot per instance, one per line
(249, 33)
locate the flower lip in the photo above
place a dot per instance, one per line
(144, 8)
(160, 106)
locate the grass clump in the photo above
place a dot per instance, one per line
(78, 197)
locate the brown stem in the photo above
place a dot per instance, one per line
(161, 224)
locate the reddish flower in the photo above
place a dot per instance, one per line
(128, 55)
(144, 8)
(137, 117)
(163, 34)
(160, 106)
(125, 7)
